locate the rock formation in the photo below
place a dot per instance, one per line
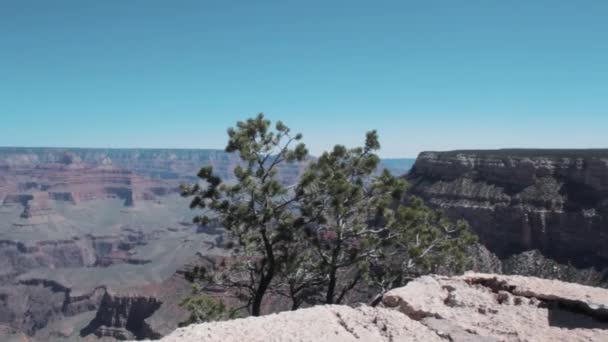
(18, 257)
(321, 323)
(555, 201)
(123, 317)
(70, 225)
(473, 307)
(43, 308)
(167, 164)
(30, 305)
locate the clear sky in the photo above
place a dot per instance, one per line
(428, 75)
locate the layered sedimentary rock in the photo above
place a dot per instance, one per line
(89, 251)
(555, 201)
(45, 309)
(75, 222)
(123, 317)
(38, 206)
(65, 183)
(473, 307)
(30, 305)
(82, 223)
(18, 257)
(167, 164)
(149, 311)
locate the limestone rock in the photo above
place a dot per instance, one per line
(470, 308)
(321, 323)
(505, 308)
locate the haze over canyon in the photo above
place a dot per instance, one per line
(87, 235)
(95, 243)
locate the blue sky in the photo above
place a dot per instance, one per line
(428, 75)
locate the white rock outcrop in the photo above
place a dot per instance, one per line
(472, 307)
(320, 323)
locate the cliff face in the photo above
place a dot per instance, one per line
(555, 201)
(123, 317)
(30, 305)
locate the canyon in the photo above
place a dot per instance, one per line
(553, 201)
(85, 232)
(95, 244)
(76, 230)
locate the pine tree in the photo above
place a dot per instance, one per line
(341, 197)
(256, 210)
(343, 226)
(362, 233)
(417, 240)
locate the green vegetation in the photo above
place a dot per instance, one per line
(256, 210)
(204, 308)
(341, 228)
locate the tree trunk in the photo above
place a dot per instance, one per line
(295, 305)
(377, 299)
(256, 306)
(331, 287)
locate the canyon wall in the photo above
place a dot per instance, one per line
(554, 201)
(166, 164)
(74, 224)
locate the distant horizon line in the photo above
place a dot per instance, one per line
(144, 148)
(502, 150)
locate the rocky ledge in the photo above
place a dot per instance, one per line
(473, 307)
